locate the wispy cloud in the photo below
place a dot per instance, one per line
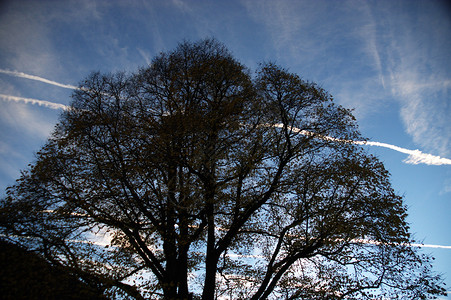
(411, 50)
(37, 78)
(48, 104)
(399, 58)
(291, 27)
(23, 125)
(146, 55)
(446, 186)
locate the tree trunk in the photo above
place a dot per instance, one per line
(211, 262)
(169, 240)
(182, 261)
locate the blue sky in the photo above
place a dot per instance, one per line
(389, 60)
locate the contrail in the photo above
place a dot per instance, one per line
(431, 246)
(415, 156)
(37, 78)
(48, 104)
(373, 242)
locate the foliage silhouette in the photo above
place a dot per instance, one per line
(26, 275)
(205, 181)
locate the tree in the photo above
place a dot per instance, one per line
(205, 181)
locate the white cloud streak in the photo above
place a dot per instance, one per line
(48, 104)
(373, 242)
(37, 78)
(431, 246)
(415, 156)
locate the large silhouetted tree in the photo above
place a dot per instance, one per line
(192, 178)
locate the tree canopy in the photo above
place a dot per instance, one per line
(193, 178)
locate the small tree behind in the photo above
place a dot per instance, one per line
(208, 182)
(26, 275)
